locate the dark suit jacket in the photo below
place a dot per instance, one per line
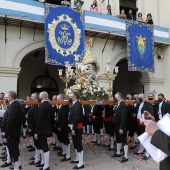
(4, 121)
(148, 107)
(150, 21)
(76, 114)
(162, 141)
(164, 109)
(63, 117)
(121, 116)
(14, 119)
(45, 113)
(129, 16)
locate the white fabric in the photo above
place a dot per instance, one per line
(8, 155)
(42, 157)
(147, 154)
(32, 142)
(77, 156)
(16, 165)
(37, 155)
(133, 141)
(92, 130)
(118, 148)
(95, 137)
(141, 148)
(98, 138)
(83, 110)
(47, 160)
(1, 140)
(159, 111)
(68, 151)
(81, 162)
(63, 148)
(126, 151)
(84, 129)
(101, 131)
(88, 129)
(108, 140)
(139, 115)
(112, 142)
(24, 131)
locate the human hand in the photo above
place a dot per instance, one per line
(120, 131)
(151, 127)
(73, 132)
(35, 136)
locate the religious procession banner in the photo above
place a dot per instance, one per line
(64, 34)
(140, 46)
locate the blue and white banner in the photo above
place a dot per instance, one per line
(140, 46)
(64, 35)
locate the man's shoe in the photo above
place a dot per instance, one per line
(24, 137)
(34, 163)
(45, 169)
(61, 155)
(6, 164)
(31, 149)
(145, 158)
(110, 149)
(12, 167)
(57, 148)
(93, 141)
(3, 153)
(39, 165)
(65, 159)
(124, 160)
(116, 155)
(4, 148)
(3, 157)
(138, 153)
(74, 162)
(32, 158)
(29, 146)
(76, 167)
(132, 147)
(106, 146)
(60, 152)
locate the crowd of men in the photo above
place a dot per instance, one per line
(121, 121)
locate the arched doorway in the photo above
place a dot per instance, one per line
(126, 81)
(44, 83)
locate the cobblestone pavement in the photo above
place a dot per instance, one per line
(95, 158)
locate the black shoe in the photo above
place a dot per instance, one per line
(124, 160)
(74, 162)
(76, 167)
(60, 152)
(140, 153)
(12, 167)
(93, 141)
(3, 157)
(39, 165)
(116, 155)
(45, 169)
(32, 158)
(61, 155)
(54, 144)
(57, 148)
(3, 153)
(1, 144)
(4, 149)
(65, 159)
(36, 163)
(145, 158)
(98, 144)
(6, 164)
(31, 149)
(106, 145)
(24, 137)
(110, 149)
(30, 146)
(132, 147)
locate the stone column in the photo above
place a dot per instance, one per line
(8, 78)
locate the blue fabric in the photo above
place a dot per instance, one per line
(140, 46)
(62, 39)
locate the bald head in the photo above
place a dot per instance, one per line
(141, 97)
(43, 95)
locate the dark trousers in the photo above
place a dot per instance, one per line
(42, 139)
(96, 125)
(140, 130)
(77, 140)
(121, 138)
(109, 127)
(13, 146)
(132, 127)
(64, 135)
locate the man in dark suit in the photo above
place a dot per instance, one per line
(162, 107)
(76, 125)
(43, 127)
(144, 106)
(159, 140)
(13, 128)
(120, 122)
(63, 128)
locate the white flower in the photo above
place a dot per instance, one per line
(92, 93)
(95, 90)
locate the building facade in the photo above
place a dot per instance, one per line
(22, 59)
